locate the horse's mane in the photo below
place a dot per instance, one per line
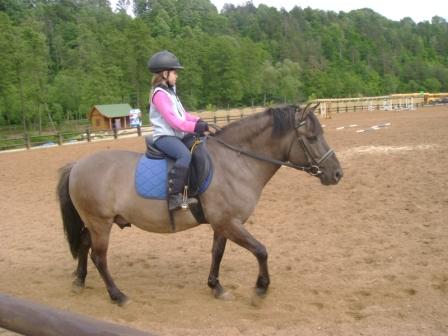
(282, 120)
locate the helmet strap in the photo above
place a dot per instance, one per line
(166, 79)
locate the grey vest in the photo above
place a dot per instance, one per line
(161, 127)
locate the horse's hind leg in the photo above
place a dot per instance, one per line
(81, 271)
(219, 245)
(100, 242)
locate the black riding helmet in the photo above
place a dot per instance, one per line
(163, 60)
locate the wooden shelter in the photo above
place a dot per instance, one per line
(106, 117)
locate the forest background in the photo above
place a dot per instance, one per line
(58, 58)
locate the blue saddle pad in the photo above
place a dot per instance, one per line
(151, 178)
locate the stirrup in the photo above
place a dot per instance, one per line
(186, 205)
(177, 201)
(173, 205)
(187, 201)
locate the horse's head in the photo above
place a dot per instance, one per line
(310, 149)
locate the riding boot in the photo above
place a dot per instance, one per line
(177, 179)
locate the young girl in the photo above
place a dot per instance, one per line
(173, 125)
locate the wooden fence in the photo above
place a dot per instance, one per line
(32, 319)
(220, 117)
(50, 139)
(385, 103)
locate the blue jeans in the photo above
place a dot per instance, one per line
(176, 149)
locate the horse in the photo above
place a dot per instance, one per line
(93, 195)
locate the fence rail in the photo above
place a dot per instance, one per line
(326, 109)
(51, 139)
(32, 319)
(395, 102)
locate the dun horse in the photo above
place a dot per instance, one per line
(94, 195)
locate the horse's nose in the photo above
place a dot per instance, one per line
(338, 175)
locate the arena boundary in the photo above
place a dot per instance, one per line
(396, 102)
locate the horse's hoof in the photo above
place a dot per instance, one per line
(258, 296)
(124, 303)
(77, 286)
(218, 290)
(261, 292)
(226, 296)
(257, 299)
(122, 300)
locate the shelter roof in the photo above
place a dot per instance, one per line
(113, 110)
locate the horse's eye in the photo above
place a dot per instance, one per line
(312, 138)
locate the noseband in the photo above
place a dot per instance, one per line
(312, 168)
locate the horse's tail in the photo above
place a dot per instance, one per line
(73, 224)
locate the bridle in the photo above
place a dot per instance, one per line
(313, 167)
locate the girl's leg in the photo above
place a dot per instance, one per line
(177, 177)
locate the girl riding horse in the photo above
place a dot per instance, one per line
(173, 125)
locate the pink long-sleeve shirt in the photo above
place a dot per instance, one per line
(162, 102)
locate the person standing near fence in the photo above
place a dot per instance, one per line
(173, 125)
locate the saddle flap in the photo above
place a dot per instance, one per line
(201, 170)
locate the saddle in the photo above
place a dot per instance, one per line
(151, 174)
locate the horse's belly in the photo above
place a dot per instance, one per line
(183, 220)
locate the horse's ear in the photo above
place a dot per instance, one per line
(301, 113)
(315, 106)
(305, 110)
(309, 109)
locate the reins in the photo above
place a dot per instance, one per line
(312, 169)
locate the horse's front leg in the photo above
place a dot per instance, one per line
(236, 232)
(219, 245)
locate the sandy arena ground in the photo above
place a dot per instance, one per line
(366, 257)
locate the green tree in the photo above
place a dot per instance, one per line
(58, 58)
(224, 72)
(289, 81)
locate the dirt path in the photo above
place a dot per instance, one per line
(365, 257)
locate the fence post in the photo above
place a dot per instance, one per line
(88, 134)
(228, 117)
(115, 133)
(139, 130)
(214, 117)
(27, 141)
(60, 139)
